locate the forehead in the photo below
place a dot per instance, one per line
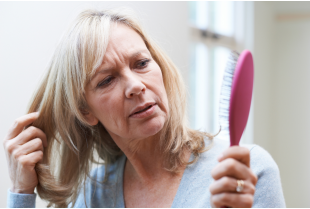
(125, 40)
(124, 44)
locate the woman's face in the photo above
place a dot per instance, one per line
(127, 93)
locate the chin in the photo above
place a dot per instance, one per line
(153, 126)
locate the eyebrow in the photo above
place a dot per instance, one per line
(138, 53)
(134, 55)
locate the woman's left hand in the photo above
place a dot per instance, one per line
(234, 165)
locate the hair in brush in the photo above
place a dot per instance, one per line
(226, 93)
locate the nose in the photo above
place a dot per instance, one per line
(134, 85)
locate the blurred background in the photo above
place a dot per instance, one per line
(198, 37)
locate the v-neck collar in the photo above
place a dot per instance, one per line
(120, 201)
(183, 185)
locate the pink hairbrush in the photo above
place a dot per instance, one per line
(236, 95)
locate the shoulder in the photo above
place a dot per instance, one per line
(261, 160)
(197, 177)
(269, 191)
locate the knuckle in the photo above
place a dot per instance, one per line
(231, 161)
(211, 188)
(9, 147)
(248, 201)
(215, 200)
(22, 161)
(16, 154)
(15, 123)
(246, 151)
(213, 173)
(226, 181)
(255, 179)
(37, 143)
(224, 197)
(40, 154)
(32, 130)
(218, 197)
(231, 164)
(252, 189)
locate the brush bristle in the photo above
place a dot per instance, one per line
(225, 93)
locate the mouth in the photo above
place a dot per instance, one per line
(142, 109)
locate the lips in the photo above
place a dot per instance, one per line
(142, 108)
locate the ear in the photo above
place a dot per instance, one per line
(89, 117)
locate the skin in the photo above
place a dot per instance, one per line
(23, 149)
(128, 78)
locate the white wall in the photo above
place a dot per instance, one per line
(262, 53)
(282, 93)
(29, 32)
(292, 108)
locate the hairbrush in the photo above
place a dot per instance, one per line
(236, 95)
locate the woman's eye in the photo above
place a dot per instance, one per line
(143, 63)
(105, 82)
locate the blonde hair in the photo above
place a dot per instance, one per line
(60, 99)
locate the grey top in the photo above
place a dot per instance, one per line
(193, 190)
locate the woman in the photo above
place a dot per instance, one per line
(111, 95)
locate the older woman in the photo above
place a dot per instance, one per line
(112, 95)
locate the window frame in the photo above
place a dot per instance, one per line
(240, 39)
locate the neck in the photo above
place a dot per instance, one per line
(145, 162)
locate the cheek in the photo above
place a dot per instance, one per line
(108, 110)
(112, 115)
(162, 88)
(165, 103)
(158, 87)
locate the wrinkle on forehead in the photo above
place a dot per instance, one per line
(125, 45)
(103, 69)
(120, 51)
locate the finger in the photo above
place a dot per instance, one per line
(32, 158)
(233, 168)
(232, 200)
(228, 184)
(20, 123)
(29, 134)
(242, 154)
(29, 147)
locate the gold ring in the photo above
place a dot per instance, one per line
(240, 186)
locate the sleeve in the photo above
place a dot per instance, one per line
(268, 192)
(16, 200)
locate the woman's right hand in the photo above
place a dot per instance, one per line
(24, 149)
